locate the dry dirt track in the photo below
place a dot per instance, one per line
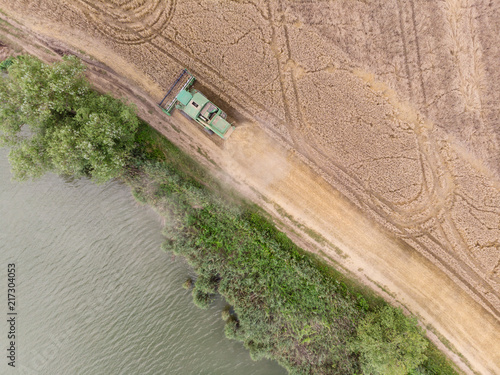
(376, 125)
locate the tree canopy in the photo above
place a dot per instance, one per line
(389, 343)
(53, 121)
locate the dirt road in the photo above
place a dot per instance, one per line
(371, 130)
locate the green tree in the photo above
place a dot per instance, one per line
(53, 121)
(389, 343)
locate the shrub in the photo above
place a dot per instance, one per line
(201, 299)
(188, 284)
(6, 63)
(226, 313)
(389, 343)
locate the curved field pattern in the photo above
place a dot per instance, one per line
(128, 21)
(395, 104)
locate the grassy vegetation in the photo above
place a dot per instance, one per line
(286, 304)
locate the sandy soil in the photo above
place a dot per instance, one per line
(373, 124)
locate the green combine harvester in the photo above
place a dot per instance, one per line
(195, 105)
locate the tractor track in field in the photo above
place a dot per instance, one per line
(343, 151)
(405, 49)
(286, 108)
(291, 120)
(96, 10)
(417, 47)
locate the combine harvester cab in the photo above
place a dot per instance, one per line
(195, 105)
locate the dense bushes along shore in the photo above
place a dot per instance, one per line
(286, 305)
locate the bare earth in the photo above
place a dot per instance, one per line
(369, 129)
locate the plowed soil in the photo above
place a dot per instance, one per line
(369, 129)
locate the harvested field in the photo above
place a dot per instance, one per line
(375, 124)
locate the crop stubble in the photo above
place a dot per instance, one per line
(393, 103)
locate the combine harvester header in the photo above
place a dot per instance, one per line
(195, 105)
